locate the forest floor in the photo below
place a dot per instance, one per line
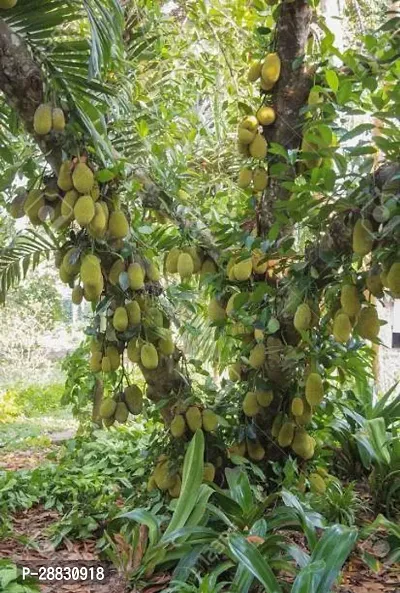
(29, 545)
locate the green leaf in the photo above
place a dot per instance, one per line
(332, 80)
(145, 518)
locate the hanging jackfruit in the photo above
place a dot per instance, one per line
(302, 444)
(6, 4)
(210, 420)
(374, 284)
(314, 389)
(254, 72)
(349, 300)
(271, 68)
(90, 269)
(83, 178)
(149, 356)
(196, 257)
(317, 483)
(42, 119)
(393, 279)
(166, 345)
(185, 266)
(171, 262)
(71, 262)
(255, 450)
(286, 434)
(133, 399)
(235, 372)
(105, 364)
(264, 398)
(178, 426)
(134, 313)
(136, 276)
(368, 325)
(163, 478)
(306, 416)
(67, 204)
(64, 180)
(95, 362)
(194, 418)
(250, 404)
(120, 319)
(133, 350)
(257, 356)
(115, 271)
(152, 272)
(208, 472)
(260, 266)
(238, 449)
(121, 413)
(208, 267)
(118, 226)
(363, 239)
(58, 119)
(342, 328)
(302, 318)
(33, 206)
(84, 210)
(242, 270)
(77, 295)
(258, 147)
(266, 116)
(175, 490)
(245, 177)
(107, 408)
(98, 225)
(297, 407)
(114, 357)
(247, 129)
(260, 179)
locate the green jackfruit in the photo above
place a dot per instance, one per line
(242, 270)
(257, 356)
(254, 72)
(71, 261)
(152, 272)
(349, 300)
(64, 180)
(166, 346)
(368, 325)
(193, 418)
(235, 372)
(374, 284)
(92, 292)
(250, 404)
(6, 4)
(178, 426)
(77, 295)
(95, 362)
(264, 398)
(151, 484)
(185, 266)
(83, 178)
(302, 318)
(118, 226)
(249, 123)
(260, 265)
(149, 356)
(114, 357)
(58, 119)
(175, 491)
(306, 416)
(133, 350)
(134, 312)
(121, 413)
(393, 279)
(16, 208)
(260, 179)
(33, 206)
(98, 225)
(133, 399)
(208, 267)
(210, 420)
(171, 261)
(95, 345)
(136, 276)
(67, 204)
(297, 407)
(317, 483)
(245, 177)
(163, 478)
(107, 408)
(245, 136)
(258, 147)
(115, 271)
(271, 68)
(266, 115)
(238, 449)
(64, 276)
(196, 257)
(286, 434)
(95, 193)
(120, 319)
(255, 451)
(84, 210)
(342, 328)
(208, 472)
(90, 269)
(42, 119)
(363, 238)
(215, 311)
(302, 444)
(105, 364)
(314, 389)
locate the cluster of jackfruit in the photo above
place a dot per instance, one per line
(48, 118)
(189, 261)
(138, 273)
(255, 401)
(88, 268)
(289, 432)
(318, 480)
(251, 142)
(167, 478)
(267, 71)
(257, 178)
(252, 448)
(118, 408)
(193, 418)
(353, 316)
(105, 356)
(306, 317)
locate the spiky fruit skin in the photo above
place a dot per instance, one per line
(208, 267)
(260, 179)
(245, 177)
(349, 300)
(107, 408)
(303, 444)
(42, 120)
(83, 178)
(264, 398)
(114, 357)
(235, 372)
(257, 356)
(163, 478)
(374, 284)
(342, 328)
(363, 239)
(260, 266)
(121, 413)
(250, 404)
(175, 491)
(246, 136)
(368, 325)
(271, 68)
(64, 180)
(67, 204)
(90, 269)
(95, 362)
(118, 226)
(249, 123)
(115, 271)
(166, 346)
(209, 472)
(258, 147)
(194, 418)
(171, 261)
(153, 273)
(317, 483)
(58, 119)
(254, 72)
(255, 451)
(185, 266)
(84, 210)
(149, 356)
(71, 262)
(196, 257)
(136, 276)
(33, 205)
(238, 449)
(133, 351)
(314, 389)
(120, 319)
(393, 279)
(98, 225)
(210, 420)
(77, 295)
(178, 426)
(134, 312)
(297, 407)
(286, 434)
(242, 270)
(266, 86)
(133, 399)
(215, 311)
(302, 318)
(266, 116)
(306, 416)
(106, 365)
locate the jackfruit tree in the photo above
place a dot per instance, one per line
(271, 270)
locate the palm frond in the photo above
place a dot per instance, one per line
(26, 251)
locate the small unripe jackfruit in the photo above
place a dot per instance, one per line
(120, 319)
(83, 178)
(121, 413)
(114, 357)
(98, 225)
(264, 398)
(90, 269)
(242, 270)
(171, 262)
(271, 68)
(118, 226)
(302, 318)
(342, 328)
(208, 267)
(210, 420)
(303, 444)
(215, 311)
(209, 472)
(133, 351)
(258, 147)
(105, 364)
(95, 362)
(235, 372)
(314, 389)
(134, 312)
(67, 204)
(349, 300)
(153, 273)
(163, 478)
(193, 418)
(42, 120)
(266, 116)
(368, 325)
(246, 136)
(166, 346)
(286, 434)
(250, 404)
(363, 239)
(77, 295)
(255, 451)
(374, 284)
(107, 408)
(84, 210)
(64, 180)
(133, 399)
(297, 407)
(136, 276)
(149, 356)
(245, 177)
(393, 279)
(178, 426)
(317, 483)
(185, 265)
(257, 356)
(58, 119)
(115, 271)
(254, 72)
(5, 4)
(260, 179)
